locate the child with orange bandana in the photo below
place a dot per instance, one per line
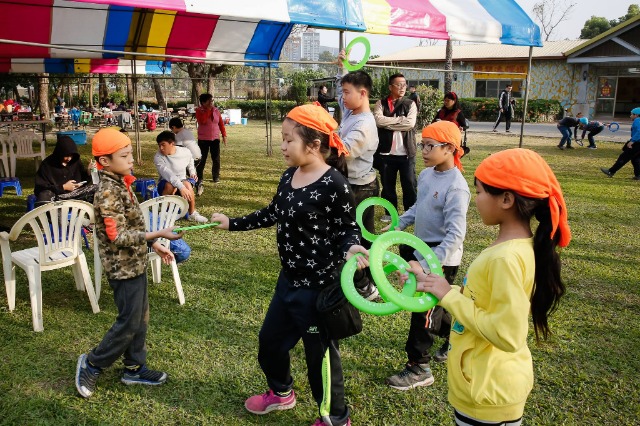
(440, 219)
(314, 212)
(490, 369)
(123, 248)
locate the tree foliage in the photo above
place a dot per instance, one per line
(597, 25)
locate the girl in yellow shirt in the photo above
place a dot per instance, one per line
(490, 370)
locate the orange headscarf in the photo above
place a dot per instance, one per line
(526, 173)
(316, 117)
(446, 132)
(107, 141)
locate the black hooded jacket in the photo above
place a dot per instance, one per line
(52, 174)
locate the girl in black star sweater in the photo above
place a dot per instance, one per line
(314, 211)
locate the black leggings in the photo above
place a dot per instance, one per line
(205, 146)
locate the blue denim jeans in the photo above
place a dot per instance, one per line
(566, 135)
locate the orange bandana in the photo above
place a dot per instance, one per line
(526, 173)
(107, 141)
(316, 117)
(446, 132)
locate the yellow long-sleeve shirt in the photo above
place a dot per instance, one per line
(490, 371)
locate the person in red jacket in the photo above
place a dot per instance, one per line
(210, 128)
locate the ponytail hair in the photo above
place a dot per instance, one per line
(309, 136)
(548, 287)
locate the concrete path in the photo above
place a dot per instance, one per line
(550, 130)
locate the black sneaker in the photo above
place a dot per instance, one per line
(606, 171)
(143, 376)
(442, 352)
(86, 377)
(560, 147)
(412, 376)
(570, 147)
(636, 178)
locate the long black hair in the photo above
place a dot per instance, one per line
(548, 286)
(330, 155)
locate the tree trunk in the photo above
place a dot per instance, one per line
(159, 95)
(210, 83)
(448, 66)
(43, 94)
(70, 104)
(129, 89)
(232, 89)
(197, 73)
(90, 81)
(103, 92)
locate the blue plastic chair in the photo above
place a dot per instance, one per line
(147, 188)
(10, 182)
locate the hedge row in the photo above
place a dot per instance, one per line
(476, 109)
(486, 109)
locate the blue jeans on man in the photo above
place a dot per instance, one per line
(566, 136)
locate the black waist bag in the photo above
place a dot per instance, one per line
(84, 193)
(339, 318)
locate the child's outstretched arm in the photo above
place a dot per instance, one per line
(222, 219)
(363, 261)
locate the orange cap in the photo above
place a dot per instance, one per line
(526, 173)
(107, 141)
(446, 132)
(316, 117)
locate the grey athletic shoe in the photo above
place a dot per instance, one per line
(442, 352)
(143, 376)
(412, 376)
(86, 377)
(606, 172)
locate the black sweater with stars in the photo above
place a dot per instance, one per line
(315, 227)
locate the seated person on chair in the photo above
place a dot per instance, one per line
(173, 163)
(61, 172)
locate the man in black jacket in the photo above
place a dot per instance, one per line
(505, 101)
(61, 172)
(323, 98)
(396, 118)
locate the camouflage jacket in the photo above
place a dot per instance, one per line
(119, 227)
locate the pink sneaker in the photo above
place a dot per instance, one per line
(269, 401)
(319, 422)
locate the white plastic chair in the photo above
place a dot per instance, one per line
(22, 142)
(56, 227)
(5, 170)
(160, 213)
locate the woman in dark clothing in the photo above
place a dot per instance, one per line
(61, 172)
(323, 99)
(451, 111)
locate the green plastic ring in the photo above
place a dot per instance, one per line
(369, 307)
(189, 228)
(378, 254)
(365, 58)
(373, 201)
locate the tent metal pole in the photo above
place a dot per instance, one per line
(526, 96)
(136, 122)
(266, 111)
(268, 99)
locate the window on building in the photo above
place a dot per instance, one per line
(492, 88)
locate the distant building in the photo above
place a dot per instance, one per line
(333, 50)
(291, 50)
(599, 77)
(310, 46)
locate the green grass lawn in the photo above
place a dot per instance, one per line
(586, 374)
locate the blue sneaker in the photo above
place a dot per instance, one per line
(86, 377)
(143, 376)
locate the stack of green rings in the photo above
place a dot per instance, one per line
(383, 262)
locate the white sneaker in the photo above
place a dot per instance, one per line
(385, 218)
(200, 190)
(197, 217)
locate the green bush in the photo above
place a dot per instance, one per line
(430, 103)
(486, 109)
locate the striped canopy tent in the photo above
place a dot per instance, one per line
(104, 35)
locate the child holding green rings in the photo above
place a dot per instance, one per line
(314, 212)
